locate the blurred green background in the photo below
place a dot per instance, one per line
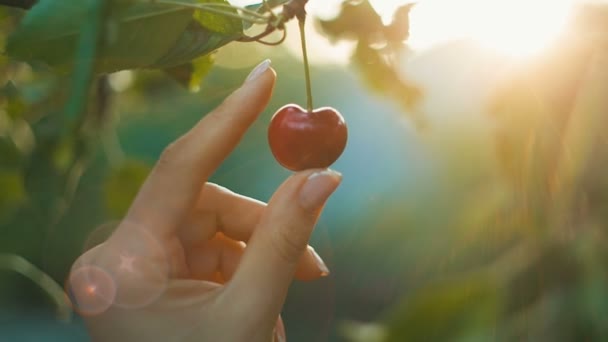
(474, 201)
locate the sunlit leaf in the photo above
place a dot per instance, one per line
(360, 22)
(357, 20)
(122, 185)
(219, 23)
(384, 79)
(201, 67)
(399, 29)
(192, 74)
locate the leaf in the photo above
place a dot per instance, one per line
(201, 67)
(219, 23)
(192, 74)
(195, 41)
(122, 186)
(399, 29)
(138, 34)
(260, 8)
(144, 33)
(356, 20)
(384, 79)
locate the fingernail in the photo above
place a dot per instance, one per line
(280, 332)
(320, 263)
(258, 71)
(317, 189)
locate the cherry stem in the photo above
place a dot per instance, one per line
(309, 100)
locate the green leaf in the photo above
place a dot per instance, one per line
(192, 74)
(122, 186)
(195, 41)
(144, 32)
(137, 35)
(260, 8)
(201, 67)
(219, 23)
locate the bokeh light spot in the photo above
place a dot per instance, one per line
(92, 290)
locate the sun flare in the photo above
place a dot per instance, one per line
(514, 28)
(517, 28)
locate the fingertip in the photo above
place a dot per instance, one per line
(311, 266)
(252, 97)
(263, 76)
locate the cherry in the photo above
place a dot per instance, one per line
(301, 140)
(306, 139)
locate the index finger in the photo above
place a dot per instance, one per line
(174, 184)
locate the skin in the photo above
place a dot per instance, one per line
(193, 261)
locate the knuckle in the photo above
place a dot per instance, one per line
(289, 243)
(171, 154)
(218, 189)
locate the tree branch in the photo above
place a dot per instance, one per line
(24, 4)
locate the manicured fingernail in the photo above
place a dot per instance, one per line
(279, 332)
(258, 71)
(318, 187)
(320, 263)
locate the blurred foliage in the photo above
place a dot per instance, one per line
(377, 56)
(122, 185)
(552, 283)
(531, 259)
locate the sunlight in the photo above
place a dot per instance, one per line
(517, 28)
(514, 28)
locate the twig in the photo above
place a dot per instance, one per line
(27, 269)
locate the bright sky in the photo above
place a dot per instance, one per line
(515, 28)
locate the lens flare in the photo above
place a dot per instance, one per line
(139, 264)
(92, 290)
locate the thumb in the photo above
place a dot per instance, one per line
(270, 260)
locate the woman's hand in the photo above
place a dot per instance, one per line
(193, 261)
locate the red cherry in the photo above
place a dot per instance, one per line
(302, 140)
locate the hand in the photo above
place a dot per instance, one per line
(193, 261)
